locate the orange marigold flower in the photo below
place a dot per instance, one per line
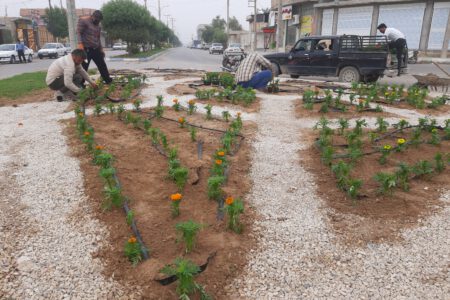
(175, 101)
(87, 133)
(99, 147)
(238, 114)
(132, 240)
(229, 200)
(176, 197)
(181, 120)
(191, 102)
(218, 162)
(221, 153)
(361, 101)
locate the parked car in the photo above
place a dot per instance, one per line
(8, 53)
(52, 50)
(352, 58)
(234, 48)
(119, 46)
(68, 48)
(206, 46)
(216, 48)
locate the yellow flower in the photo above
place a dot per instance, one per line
(80, 114)
(434, 130)
(386, 94)
(218, 162)
(176, 197)
(401, 141)
(191, 102)
(132, 240)
(221, 153)
(387, 147)
(229, 200)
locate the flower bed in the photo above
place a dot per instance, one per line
(146, 164)
(382, 180)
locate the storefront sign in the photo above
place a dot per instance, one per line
(286, 13)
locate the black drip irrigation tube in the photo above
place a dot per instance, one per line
(127, 209)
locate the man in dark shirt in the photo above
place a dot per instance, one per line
(21, 51)
(88, 31)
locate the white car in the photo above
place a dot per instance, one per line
(216, 48)
(8, 53)
(119, 46)
(234, 49)
(52, 50)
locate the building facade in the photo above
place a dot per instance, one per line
(425, 23)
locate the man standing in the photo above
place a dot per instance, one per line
(21, 51)
(65, 75)
(396, 40)
(88, 32)
(250, 73)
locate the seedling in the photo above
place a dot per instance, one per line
(382, 125)
(422, 168)
(214, 187)
(130, 217)
(137, 105)
(387, 181)
(176, 105)
(193, 133)
(188, 233)
(133, 251)
(208, 109)
(343, 125)
(439, 163)
(113, 196)
(175, 204)
(402, 176)
(435, 138)
(226, 115)
(234, 208)
(385, 151)
(191, 107)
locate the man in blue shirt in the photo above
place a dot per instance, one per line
(20, 47)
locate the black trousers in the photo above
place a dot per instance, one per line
(21, 54)
(399, 46)
(97, 56)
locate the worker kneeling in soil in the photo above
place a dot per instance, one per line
(250, 72)
(65, 75)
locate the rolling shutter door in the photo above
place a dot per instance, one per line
(407, 18)
(438, 25)
(327, 21)
(355, 20)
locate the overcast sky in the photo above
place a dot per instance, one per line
(187, 13)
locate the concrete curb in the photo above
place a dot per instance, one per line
(433, 59)
(142, 59)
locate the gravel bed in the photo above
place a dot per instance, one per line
(47, 231)
(300, 257)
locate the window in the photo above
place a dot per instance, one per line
(303, 45)
(323, 45)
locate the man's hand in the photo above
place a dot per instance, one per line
(94, 85)
(80, 46)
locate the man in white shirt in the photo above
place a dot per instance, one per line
(396, 40)
(65, 75)
(250, 72)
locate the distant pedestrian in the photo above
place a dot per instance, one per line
(396, 40)
(255, 71)
(20, 47)
(88, 31)
(66, 75)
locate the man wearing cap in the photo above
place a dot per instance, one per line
(88, 32)
(396, 40)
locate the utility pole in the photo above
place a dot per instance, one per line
(49, 4)
(255, 38)
(228, 18)
(72, 22)
(159, 10)
(167, 20)
(279, 25)
(60, 3)
(6, 10)
(145, 4)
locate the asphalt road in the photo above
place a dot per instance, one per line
(185, 58)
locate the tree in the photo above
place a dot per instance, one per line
(215, 32)
(234, 24)
(128, 21)
(56, 20)
(219, 23)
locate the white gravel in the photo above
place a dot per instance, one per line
(298, 255)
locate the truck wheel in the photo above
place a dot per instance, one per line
(295, 76)
(349, 74)
(275, 70)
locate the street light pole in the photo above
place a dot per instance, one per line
(255, 37)
(159, 10)
(71, 22)
(228, 18)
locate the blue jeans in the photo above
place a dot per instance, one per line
(258, 81)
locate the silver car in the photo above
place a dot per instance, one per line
(216, 48)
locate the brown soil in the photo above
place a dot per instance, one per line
(180, 76)
(180, 89)
(376, 217)
(302, 112)
(142, 171)
(36, 96)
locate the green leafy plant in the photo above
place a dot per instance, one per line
(120, 110)
(130, 217)
(214, 187)
(354, 185)
(147, 124)
(385, 151)
(192, 107)
(113, 197)
(185, 270)
(401, 125)
(382, 124)
(176, 105)
(137, 105)
(422, 168)
(435, 138)
(327, 155)
(208, 109)
(387, 182)
(358, 126)
(234, 208)
(439, 163)
(402, 175)
(226, 80)
(188, 233)
(342, 172)
(154, 135)
(226, 115)
(193, 133)
(133, 251)
(343, 125)
(98, 109)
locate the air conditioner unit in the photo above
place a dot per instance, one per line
(295, 19)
